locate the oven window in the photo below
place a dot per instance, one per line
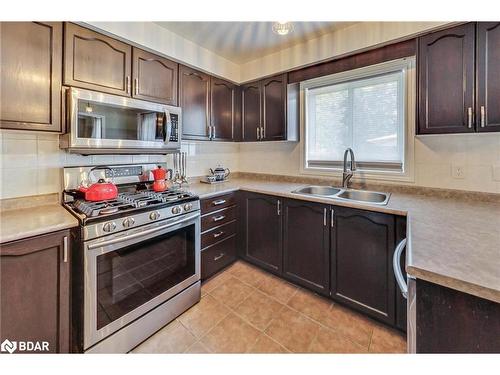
(131, 276)
(122, 123)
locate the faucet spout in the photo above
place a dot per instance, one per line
(347, 174)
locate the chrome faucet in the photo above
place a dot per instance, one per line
(346, 175)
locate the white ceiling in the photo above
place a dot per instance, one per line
(241, 42)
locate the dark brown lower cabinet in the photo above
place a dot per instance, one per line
(306, 244)
(262, 229)
(361, 262)
(449, 321)
(35, 291)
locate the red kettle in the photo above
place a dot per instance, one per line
(101, 190)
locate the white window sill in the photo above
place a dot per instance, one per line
(360, 175)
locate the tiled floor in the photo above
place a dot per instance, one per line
(245, 310)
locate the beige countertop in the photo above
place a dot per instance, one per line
(452, 241)
(19, 221)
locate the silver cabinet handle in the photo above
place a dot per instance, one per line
(324, 217)
(65, 249)
(332, 217)
(209, 132)
(219, 256)
(136, 86)
(127, 80)
(219, 202)
(216, 235)
(469, 117)
(213, 132)
(258, 132)
(483, 116)
(279, 207)
(397, 268)
(219, 218)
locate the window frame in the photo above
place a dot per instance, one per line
(371, 171)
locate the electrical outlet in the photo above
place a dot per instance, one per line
(458, 172)
(496, 173)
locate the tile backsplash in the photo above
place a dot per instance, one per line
(31, 162)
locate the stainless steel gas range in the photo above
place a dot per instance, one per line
(137, 259)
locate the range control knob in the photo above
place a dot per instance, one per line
(155, 215)
(188, 206)
(109, 226)
(176, 210)
(128, 222)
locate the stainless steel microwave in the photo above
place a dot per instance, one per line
(100, 123)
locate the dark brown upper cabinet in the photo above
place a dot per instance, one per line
(274, 108)
(488, 77)
(35, 290)
(446, 81)
(306, 244)
(30, 75)
(222, 110)
(194, 98)
(262, 228)
(362, 244)
(264, 109)
(96, 62)
(251, 111)
(155, 77)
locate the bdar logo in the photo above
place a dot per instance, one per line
(8, 346)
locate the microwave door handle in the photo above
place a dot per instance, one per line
(168, 127)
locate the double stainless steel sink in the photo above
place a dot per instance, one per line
(351, 195)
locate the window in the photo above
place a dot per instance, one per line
(365, 110)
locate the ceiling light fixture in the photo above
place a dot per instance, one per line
(282, 28)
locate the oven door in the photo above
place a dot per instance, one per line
(128, 274)
(100, 122)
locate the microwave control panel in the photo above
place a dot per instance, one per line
(174, 136)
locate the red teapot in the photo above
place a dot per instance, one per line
(101, 190)
(160, 175)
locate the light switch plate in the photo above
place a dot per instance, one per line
(458, 171)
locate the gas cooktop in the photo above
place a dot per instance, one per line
(128, 203)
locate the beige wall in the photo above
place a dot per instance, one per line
(340, 42)
(435, 156)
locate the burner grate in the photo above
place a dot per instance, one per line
(128, 201)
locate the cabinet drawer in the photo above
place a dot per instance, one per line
(218, 234)
(218, 218)
(216, 203)
(218, 256)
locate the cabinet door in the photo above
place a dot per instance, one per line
(155, 78)
(488, 77)
(262, 229)
(251, 111)
(222, 109)
(30, 75)
(306, 249)
(361, 270)
(274, 107)
(96, 62)
(446, 81)
(35, 297)
(194, 98)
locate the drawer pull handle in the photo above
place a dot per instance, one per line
(219, 218)
(218, 234)
(219, 202)
(221, 255)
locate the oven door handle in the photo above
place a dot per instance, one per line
(140, 234)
